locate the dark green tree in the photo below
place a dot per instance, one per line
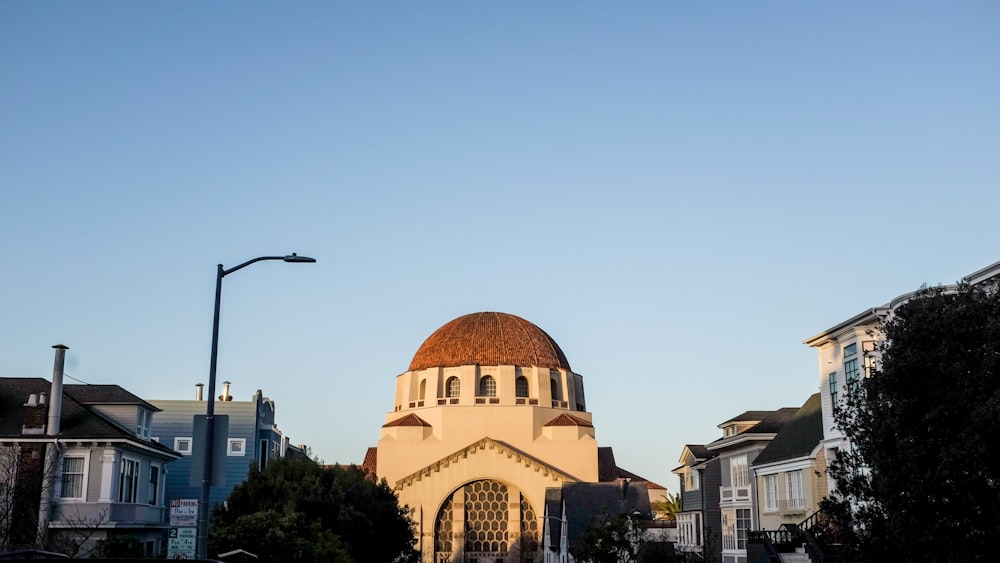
(610, 538)
(297, 510)
(921, 481)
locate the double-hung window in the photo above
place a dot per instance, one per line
(851, 372)
(771, 493)
(738, 471)
(834, 391)
(796, 498)
(143, 423)
(128, 480)
(73, 473)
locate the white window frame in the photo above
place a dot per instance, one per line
(796, 493)
(143, 423)
(728, 529)
(739, 473)
(771, 493)
(747, 518)
(83, 482)
(693, 480)
(133, 492)
(240, 449)
(179, 440)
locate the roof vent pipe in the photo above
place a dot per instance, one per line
(198, 391)
(42, 398)
(225, 392)
(55, 406)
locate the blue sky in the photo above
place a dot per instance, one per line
(678, 192)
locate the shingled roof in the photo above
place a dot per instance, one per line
(105, 395)
(568, 420)
(799, 436)
(408, 420)
(78, 421)
(586, 503)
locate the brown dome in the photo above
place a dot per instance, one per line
(489, 339)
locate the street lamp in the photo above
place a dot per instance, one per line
(209, 446)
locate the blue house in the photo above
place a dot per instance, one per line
(251, 441)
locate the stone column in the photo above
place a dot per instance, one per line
(458, 525)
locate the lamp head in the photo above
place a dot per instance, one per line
(293, 257)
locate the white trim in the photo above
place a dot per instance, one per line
(783, 466)
(239, 451)
(188, 449)
(74, 453)
(125, 461)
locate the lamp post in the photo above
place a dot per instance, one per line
(209, 446)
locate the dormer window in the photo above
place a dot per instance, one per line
(144, 423)
(729, 431)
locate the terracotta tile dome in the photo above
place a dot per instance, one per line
(489, 339)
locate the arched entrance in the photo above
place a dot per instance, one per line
(486, 521)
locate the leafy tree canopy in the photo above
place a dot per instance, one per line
(922, 479)
(297, 510)
(609, 539)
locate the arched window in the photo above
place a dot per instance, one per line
(521, 386)
(487, 386)
(556, 395)
(423, 389)
(454, 386)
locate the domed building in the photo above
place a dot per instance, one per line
(488, 419)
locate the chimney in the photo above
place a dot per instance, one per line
(198, 391)
(55, 406)
(225, 392)
(42, 398)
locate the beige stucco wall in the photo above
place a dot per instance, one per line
(470, 440)
(814, 489)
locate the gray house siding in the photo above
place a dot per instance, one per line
(711, 480)
(691, 500)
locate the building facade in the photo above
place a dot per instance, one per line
(743, 438)
(488, 418)
(78, 468)
(847, 352)
(251, 439)
(790, 473)
(699, 521)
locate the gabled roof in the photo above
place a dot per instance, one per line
(370, 464)
(770, 423)
(748, 416)
(408, 420)
(608, 471)
(799, 437)
(692, 455)
(480, 445)
(587, 503)
(77, 421)
(568, 420)
(104, 395)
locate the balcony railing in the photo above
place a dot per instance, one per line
(734, 494)
(784, 506)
